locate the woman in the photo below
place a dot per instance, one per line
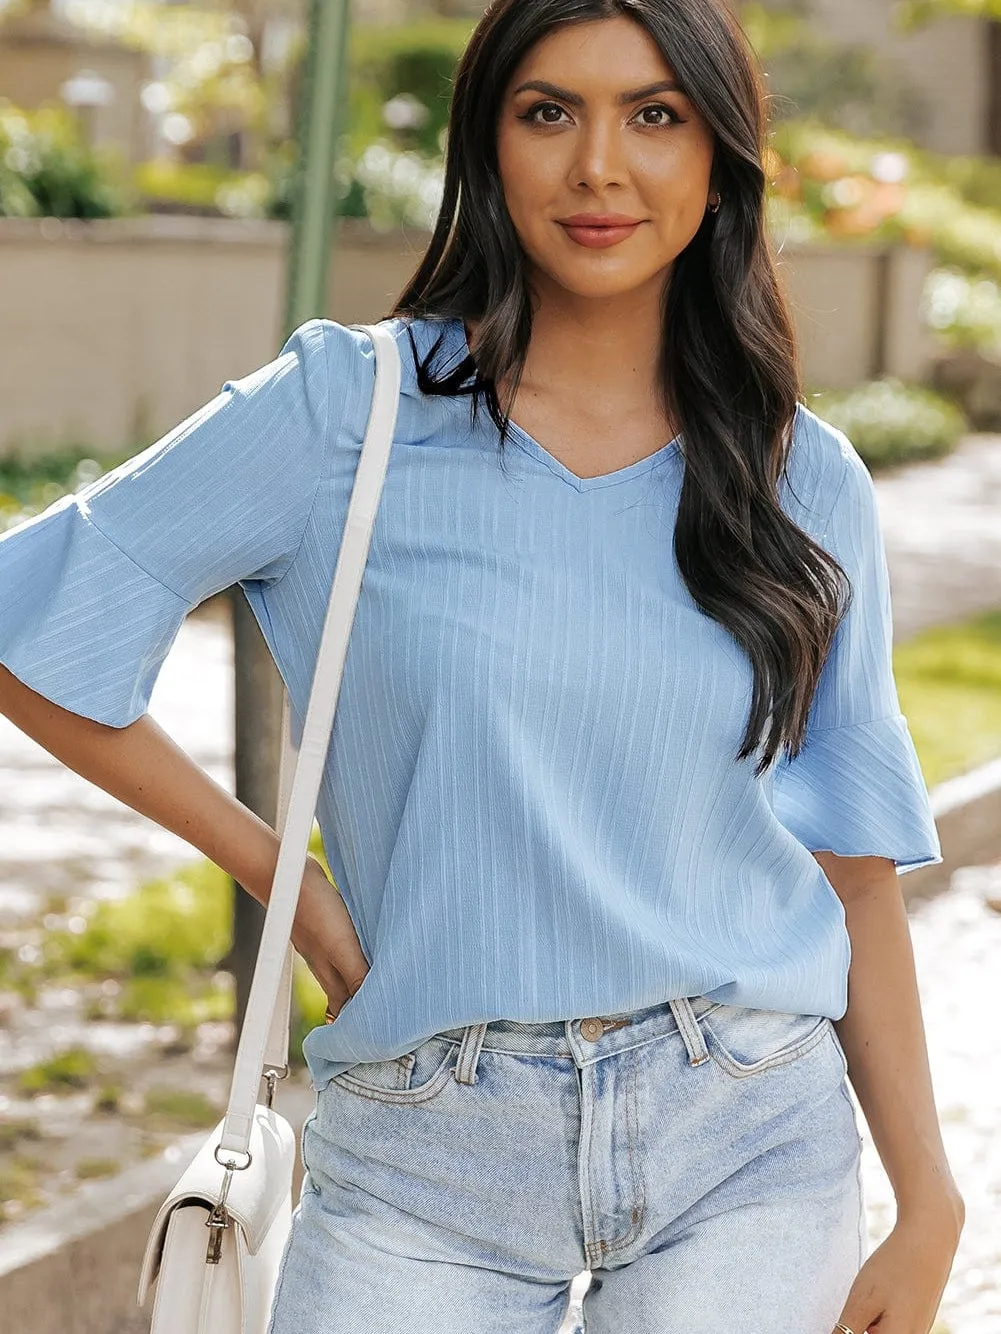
(619, 786)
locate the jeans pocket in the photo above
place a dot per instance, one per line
(415, 1076)
(744, 1040)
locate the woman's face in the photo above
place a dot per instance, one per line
(580, 145)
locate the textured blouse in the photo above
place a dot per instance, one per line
(531, 804)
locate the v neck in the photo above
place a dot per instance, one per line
(538, 451)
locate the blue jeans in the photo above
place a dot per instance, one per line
(701, 1160)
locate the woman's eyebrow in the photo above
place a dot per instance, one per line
(575, 99)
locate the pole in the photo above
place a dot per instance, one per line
(258, 689)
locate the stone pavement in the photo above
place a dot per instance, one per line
(942, 524)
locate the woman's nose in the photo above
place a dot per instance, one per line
(598, 158)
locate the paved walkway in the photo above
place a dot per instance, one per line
(942, 525)
(943, 535)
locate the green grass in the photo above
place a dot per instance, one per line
(168, 929)
(92, 1169)
(19, 1186)
(72, 1069)
(949, 681)
(183, 1107)
(14, 1131)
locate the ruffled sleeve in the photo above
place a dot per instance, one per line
(93, 591)
(856, 787)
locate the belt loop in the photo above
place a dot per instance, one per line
(469, 1053)
(688, 1027)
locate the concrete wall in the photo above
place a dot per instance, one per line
(946, 61)
(114, 331)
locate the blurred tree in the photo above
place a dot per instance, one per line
(913, 13)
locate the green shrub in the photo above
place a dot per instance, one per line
(13, 1131)
(964, 310)
(308, 1005)
(73, 1068)
(183, 1107)
(205, 187)
(171, 1000)
(20, 1187)
(93, 1169)
(891, 422)
(166, 929)
(47, 171)
(27, 486)
(416, 59)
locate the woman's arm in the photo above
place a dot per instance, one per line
(141, 766)
(882, 1033)
(145, 769)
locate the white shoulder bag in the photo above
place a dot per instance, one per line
(216, 1244)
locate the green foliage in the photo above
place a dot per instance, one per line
(92, 1169)
(911, 14)
(108, 1099)
(965, 311)
(166, 930)
(170, 1000)
(418, 59)
(949, 681)
(185, 1107)
(835, 186)
(309, 1004)
(73, 1068)
(19, 1186)
(47, 171)
(891, 422)
(29, 486)
(14, 1131)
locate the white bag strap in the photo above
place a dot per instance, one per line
(266, 1023)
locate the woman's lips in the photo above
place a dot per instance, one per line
(598, 237)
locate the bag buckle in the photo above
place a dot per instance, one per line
(219, 1220)
(271, 1077)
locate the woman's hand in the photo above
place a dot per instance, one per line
(324, 935)
(898, 1289)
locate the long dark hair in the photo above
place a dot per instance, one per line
(728, 361)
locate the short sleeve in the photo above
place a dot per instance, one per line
(856, 787)
(94, 590)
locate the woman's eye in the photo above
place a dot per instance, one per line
(532, 115)
(659, 106)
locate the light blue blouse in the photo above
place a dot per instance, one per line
(531, 804)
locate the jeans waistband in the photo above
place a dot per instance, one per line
(587, 1039)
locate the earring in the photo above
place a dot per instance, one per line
(714, 208)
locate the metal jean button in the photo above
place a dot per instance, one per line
(591, 1029)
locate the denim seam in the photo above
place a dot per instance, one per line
(635, 1176)
(733, 1067)
(399, 1096)
(594, 1246)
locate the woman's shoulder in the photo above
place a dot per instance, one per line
(350, 366)
(820, 461)
(351, 353)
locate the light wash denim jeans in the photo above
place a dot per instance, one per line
(701, 1160)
